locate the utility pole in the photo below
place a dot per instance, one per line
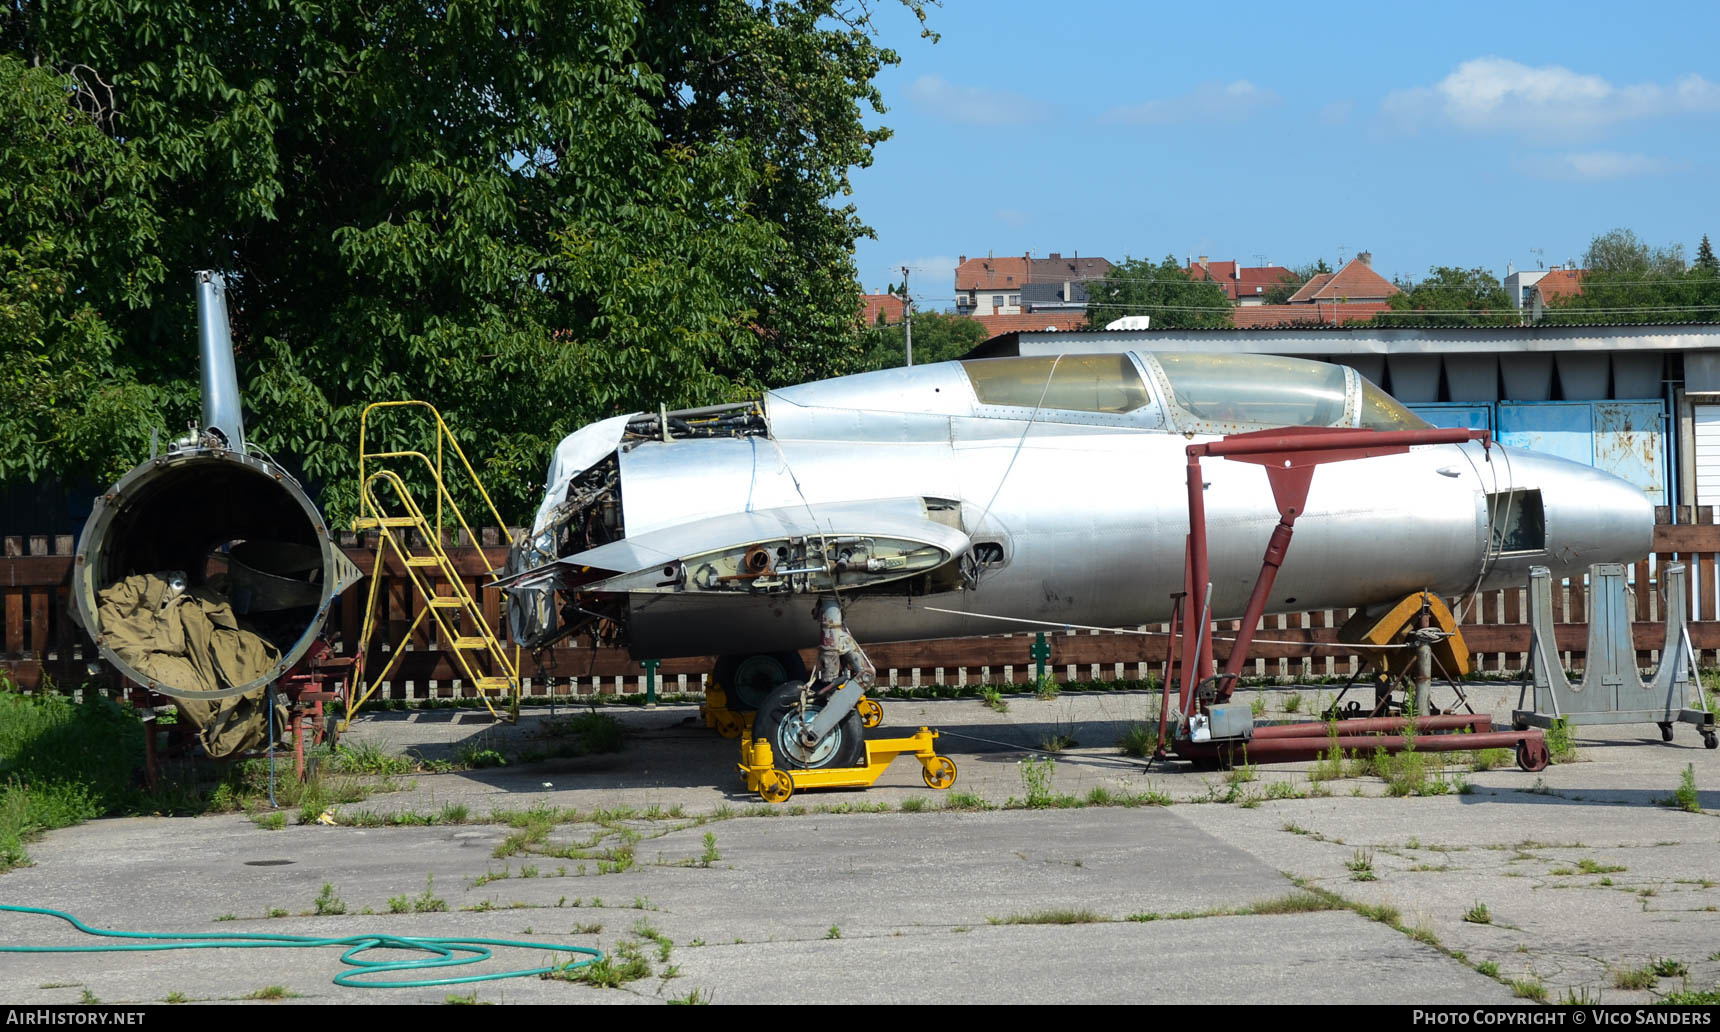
(907, 316)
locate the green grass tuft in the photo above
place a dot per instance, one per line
(1051, 917)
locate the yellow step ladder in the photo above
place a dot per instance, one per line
(388, 505)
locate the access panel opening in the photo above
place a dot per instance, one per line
(1518, 521)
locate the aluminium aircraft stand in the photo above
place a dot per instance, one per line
(1612, 690)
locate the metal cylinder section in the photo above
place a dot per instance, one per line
(215, 514)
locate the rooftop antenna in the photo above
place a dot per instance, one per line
(1340, 256)
(1540, 254)
(1260, 259)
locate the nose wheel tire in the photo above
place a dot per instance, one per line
(939, 773)
(780, 722)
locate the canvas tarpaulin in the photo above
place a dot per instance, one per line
(188, 638)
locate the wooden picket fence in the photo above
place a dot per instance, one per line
(40, 640)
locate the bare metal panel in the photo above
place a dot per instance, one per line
(1583, 377)
(1637, 376)
(1528, 377)
(1472, 377)
(1414, 377)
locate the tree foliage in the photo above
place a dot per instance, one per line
(937, 338)
(1705, 258)
(1163, 291)
(529, 213)
(1451, 296)
(1625, 280)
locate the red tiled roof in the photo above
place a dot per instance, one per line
(1237, 280)
(1329, 313)
(1263, 276)
(1356, 281)
(1010, 273)
(1560, 283)
(996, 324)
(1056, 269)
(872, 304)
(991, 273)
(1307, 291)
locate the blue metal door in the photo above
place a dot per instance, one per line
(1625, 438)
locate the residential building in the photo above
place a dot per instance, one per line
(1356, 281)
(993, 286)
(880, 308)
(1552, 287)
(1066, 296)
(1242, 285)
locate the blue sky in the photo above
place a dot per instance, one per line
(1453, 134)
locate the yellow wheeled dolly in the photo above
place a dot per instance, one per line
(758, 766)
(733, 723)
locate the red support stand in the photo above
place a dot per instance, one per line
(1290, 457)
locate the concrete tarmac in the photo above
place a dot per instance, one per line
(1583, 872)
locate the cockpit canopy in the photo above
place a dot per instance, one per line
(1198, 392)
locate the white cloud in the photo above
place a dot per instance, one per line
(1230, 102)
(1494, 94)
(976, 104)
(1595, 165)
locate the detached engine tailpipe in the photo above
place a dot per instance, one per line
(212, 523)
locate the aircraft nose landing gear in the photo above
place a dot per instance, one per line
(811, 735)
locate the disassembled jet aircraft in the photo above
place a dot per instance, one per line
(929, 500)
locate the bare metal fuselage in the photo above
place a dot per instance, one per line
(1080, 517)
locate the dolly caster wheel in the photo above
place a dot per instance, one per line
(940, 773)
(871, 713)
(775, 786)
(1710, 741)
(1533, 757)
(1666, 732)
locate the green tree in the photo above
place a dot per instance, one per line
(1451, 296)
(1625, 280)
(1620, 253)
(937, 338)
(1163, 291)
(530, 213)
(1705, 256)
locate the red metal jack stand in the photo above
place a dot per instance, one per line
(1290, 456)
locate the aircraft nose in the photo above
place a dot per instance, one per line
(1564, 515)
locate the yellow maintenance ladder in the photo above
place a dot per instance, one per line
(388, 506)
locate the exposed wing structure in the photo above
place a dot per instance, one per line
(805, 548)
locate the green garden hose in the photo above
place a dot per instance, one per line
(452, 952)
